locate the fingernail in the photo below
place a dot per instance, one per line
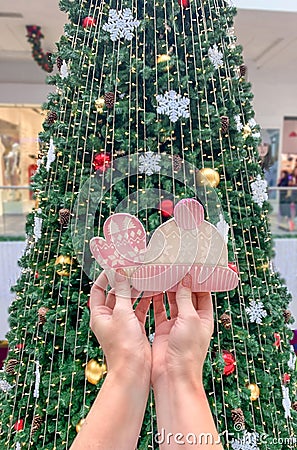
(187, 281)
(120, 273)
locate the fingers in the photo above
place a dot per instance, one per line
(110, 300)
(172, 305)
(97, 296)
(204, 305)
(142, 309)
(159, 310)
(184, 297)
(122, 291)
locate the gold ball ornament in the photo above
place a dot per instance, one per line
(246, 131)
(255, 391)
(94, 371)
(64, 261)
(163, 60)
(208, 176)
(99, 104)
(79, 425)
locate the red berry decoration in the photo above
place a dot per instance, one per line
(166, 207)
(101, 162)
(229, 363)
(88, 22)
(19, 425)
(233, 267)
(277, 338)
(184, 3)
(19, 346)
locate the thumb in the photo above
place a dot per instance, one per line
(122, 290)
(184, 297)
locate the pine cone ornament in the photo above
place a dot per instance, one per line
(36, 424)
(59, 62)
(109, 99)
(177, 163)
(225, 124)
(287, 315)
(64, 215)
(243, 70)
(10, 366)
(51, 117)
(294, 406)
(226, 321)
(41, 315)
(238, 419)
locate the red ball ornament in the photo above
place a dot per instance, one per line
(36, 275)
(184, 3)
(19, 346)
(229, 363)
(166, 207)
(19, 425)
(286, 378)
(233, 267)
(101, 162)
(88, 22)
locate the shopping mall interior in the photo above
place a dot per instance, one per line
(267, 32)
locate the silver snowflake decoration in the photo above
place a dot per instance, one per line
(37, 380)
(17, 446)
(247, 442)
(151, 337)
(51, 155)
(286, 402)
(256, 312)
(215, 56)
(64, 70)
(149, 163)
(121, 24)
(37, 225)
(173, 105)
(239, 124)
(292, 361)
(259, 191)
(223, 228)
(5, 386)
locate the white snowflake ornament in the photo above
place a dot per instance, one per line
(247, 442)
(37, 225)
(259, 191)
(37, 380)
(256, 312)
(121, 24)
(151, 337)
(286, 402)
(173, 105)
(215, 56)
(149, 163)
(17, 446)
(238, 122)
(292, 361)
(64, 70)
(5, 386)
(51, 155)
(223, 228)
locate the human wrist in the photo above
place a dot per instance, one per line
(173, 379)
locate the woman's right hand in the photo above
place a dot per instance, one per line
(181, 342)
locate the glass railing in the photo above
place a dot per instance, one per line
(17, 201)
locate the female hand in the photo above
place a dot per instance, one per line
(181, 343)
(119, 328)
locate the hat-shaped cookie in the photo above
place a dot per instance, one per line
(184, 244)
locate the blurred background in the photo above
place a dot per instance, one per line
(267, 30)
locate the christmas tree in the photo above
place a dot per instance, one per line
(152, 105)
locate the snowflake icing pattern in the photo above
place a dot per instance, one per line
(121, 24)
(149, 163)
(215, 56)
(247, 442)
(173, 105)
(256, 312)
(259, 190)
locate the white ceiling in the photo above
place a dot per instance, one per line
(269, 40)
